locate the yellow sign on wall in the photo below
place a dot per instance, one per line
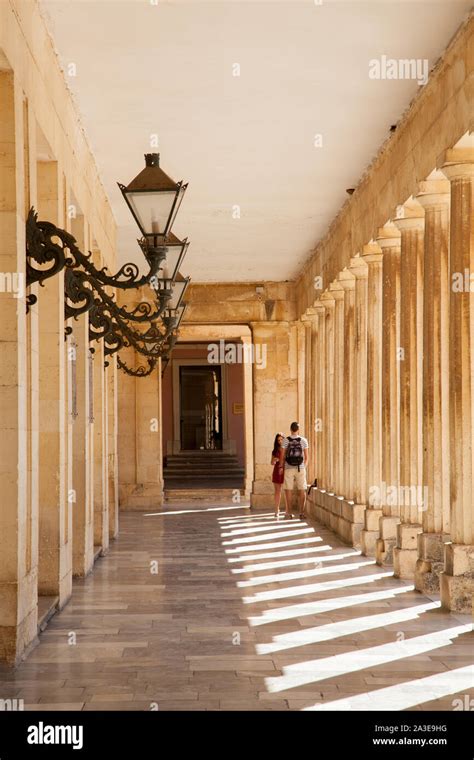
(237, 408)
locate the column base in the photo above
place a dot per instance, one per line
(384, 551)
(265, 501)
(387, 541)
(371, 532)
(457, 580)
(262, 495)
(405, 553)
(368, 542)
(140, 496)
(430, 562)
(17, 640)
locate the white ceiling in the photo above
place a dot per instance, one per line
(247, 141)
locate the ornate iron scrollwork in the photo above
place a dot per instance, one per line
(86, 286)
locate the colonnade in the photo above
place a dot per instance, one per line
(393, 335)
(58, 422)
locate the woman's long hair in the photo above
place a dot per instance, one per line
(276, 445)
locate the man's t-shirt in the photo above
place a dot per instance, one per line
(304, 445)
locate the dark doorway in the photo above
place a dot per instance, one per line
(200, 390)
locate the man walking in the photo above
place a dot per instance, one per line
(293, 460)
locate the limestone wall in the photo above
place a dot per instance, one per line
(58, 424)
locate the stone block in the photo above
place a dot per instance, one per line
(431, 546)
(353, 512)
(388, 527)
(368, 541)
(384, 551)
(457, 592)
(404, 562)
(407, 536)
(427, 576)
(459, 559)
(372, 518)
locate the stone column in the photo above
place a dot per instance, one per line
(275, 398)
(149, 442)
(434, 196)
(337, 292)
(347, 281)
(389, 242)
(18, 518)
(405, 554)
(309, 388)
(112, 409)
(127, 456)
(372, 256)
(247, 368)
(320, 398)
(328, 419)
(359, 269)
(55, 543)
(101, 498)
(457, 580)
(301, 360)
(82, 511)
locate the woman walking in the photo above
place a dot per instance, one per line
(278, 475)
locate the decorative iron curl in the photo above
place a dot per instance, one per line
(140, 371)
(41, 249)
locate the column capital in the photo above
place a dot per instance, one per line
(347, 279)
(319, 308)
(336, 290)
(358, 267)
(434, 193)
(328, 299)
(459, 171)
(388, 237)
(457, 163)
(310, 315)
(372, 253)
(410, 223)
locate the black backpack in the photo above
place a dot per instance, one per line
(294, 452)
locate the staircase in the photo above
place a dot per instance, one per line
(200, 470)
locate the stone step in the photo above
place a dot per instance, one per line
(197, 458)
(204, 468)
(205, 494)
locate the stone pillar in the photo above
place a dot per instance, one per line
(359, 269)
(405, 554)
(372, 256)
(434, 196)
(313, 428)
(112, 447)
(337, 292)
(149, 442)
(127, 456)
(301, 360)
(309, 388)
(320, 399)
(55, 541)
(247, 369)
(347, 281)
(82, 510)
(18, 518)
(457, 580)
(389, 242)
(275, 399)
(101, 499)
(328, 408)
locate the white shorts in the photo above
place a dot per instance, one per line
(292, 476)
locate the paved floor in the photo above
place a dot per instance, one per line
(218, 608)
